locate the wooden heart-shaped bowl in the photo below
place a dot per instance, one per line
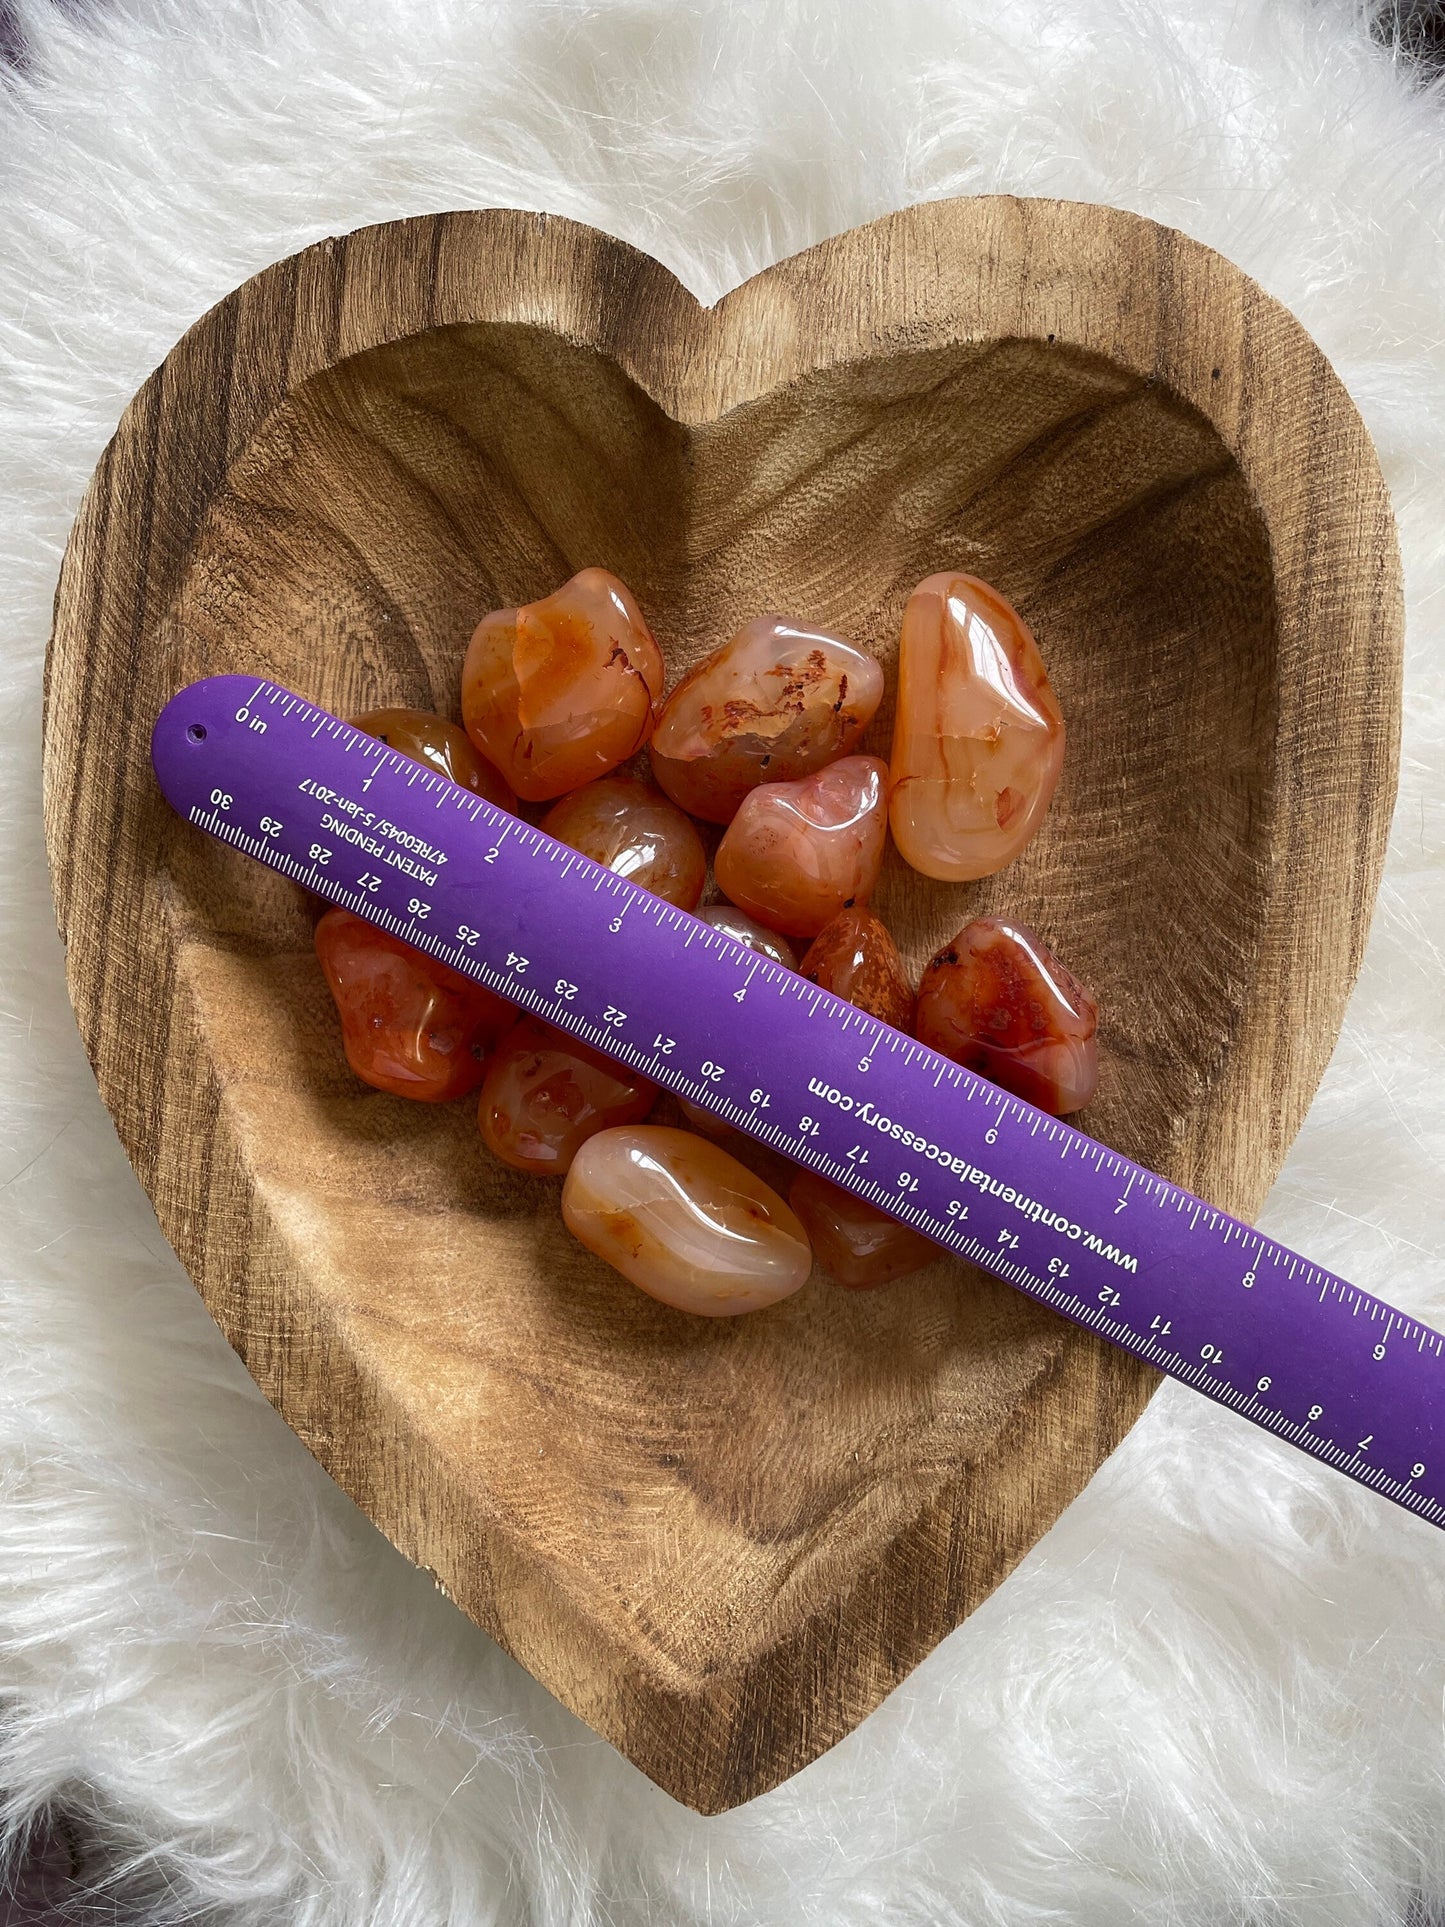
(722, 1542)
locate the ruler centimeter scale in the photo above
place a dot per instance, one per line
(1065, 1220)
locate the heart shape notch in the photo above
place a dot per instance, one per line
(721, 1543)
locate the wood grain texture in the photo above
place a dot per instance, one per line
(722, 1543)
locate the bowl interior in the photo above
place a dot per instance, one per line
(375, 517)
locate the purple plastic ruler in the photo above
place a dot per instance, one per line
(1055, 1214)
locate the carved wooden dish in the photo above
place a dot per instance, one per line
(721, 1543)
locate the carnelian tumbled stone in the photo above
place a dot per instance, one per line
(998, 1001)
(546, 1093)
(978, 738)
(777, 702)
(684, 1221)
(798, 853)
(438, 745)
(561, 691)
(409, 1024)
(859, 1246)
(856, 958)
(734, 923)
(629, 828)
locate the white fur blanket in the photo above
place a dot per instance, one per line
(1214, 1693)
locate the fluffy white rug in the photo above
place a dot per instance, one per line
(1214, 1693)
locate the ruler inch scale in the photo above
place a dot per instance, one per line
(1074, 1225)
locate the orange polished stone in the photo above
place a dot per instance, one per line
(859, 1246)
(560, 691)
(798, 853)
(777, 702)
(684, 1221)
(438, 745)
(855, 957)
(998, 1001)
(978, 737)
(629, 828)
(409, 1024)
(734, 923)
(546, 1093)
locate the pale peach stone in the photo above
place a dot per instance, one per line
(777, 702)
(978, 738)
(684, 1221)
(798, 853)
(560, 691)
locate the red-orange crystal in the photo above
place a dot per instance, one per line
(546, 1093)
(630, 828)
(978, 737)
(438, 745)
(859, 1246)
(777, 702)
(855, 957)
(409, 1024)
(998, 1000)
(798, 853)
(560, 691)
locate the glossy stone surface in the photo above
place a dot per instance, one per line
(798, 853)
(777, 702)
(629, 828)
(561, 691)
(441, 746)
(409, 1025)
(736, 923)
(545, 1094)
(859, 1246)
(978, 737)
(685, 1221)
(998, 1000)
(855, 957)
